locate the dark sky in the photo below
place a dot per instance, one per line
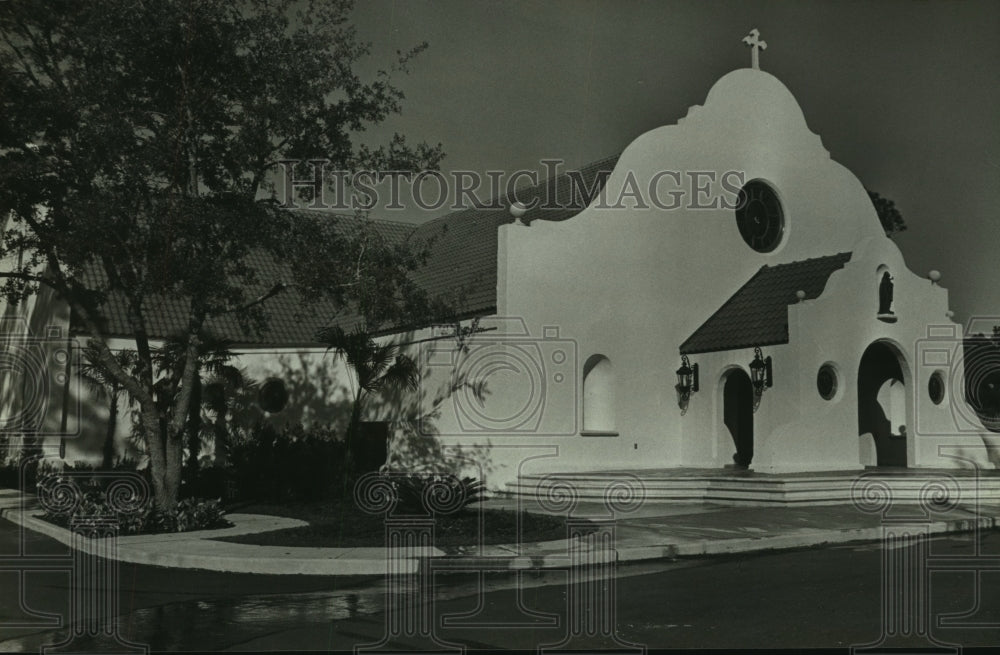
(904, 93)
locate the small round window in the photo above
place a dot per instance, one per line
(935, 388)
(272, 396)
(826, 382)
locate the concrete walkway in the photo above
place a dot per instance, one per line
(654, 531)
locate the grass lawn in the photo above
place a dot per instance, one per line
(341, 525)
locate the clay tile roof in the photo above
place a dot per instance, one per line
(463, 262)
(462, 266)
(757, 314)
(291, 322)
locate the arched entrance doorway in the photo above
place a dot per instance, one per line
(882, 403)
(737, 412)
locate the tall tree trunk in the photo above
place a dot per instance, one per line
(174, 460)
(221, 438)
(353, 428)
(353, 433)
(166, 450)
(164, 497)
(108, 459)
(194, 427)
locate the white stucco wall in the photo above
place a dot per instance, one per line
(37, 397)
(632, 283)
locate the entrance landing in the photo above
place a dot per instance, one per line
(935, 488)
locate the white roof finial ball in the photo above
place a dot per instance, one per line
(934, 276)
(800, 294)
(517, 210)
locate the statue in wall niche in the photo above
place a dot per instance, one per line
(885, 294)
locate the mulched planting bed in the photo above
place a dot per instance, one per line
(340, 525)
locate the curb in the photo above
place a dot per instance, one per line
(803, 539)
(180, 554)
(197, 550)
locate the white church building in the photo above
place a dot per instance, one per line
(816, 348)
(728, 298)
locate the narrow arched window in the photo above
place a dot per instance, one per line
(598, 395)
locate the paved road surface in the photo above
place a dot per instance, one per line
(828, 597)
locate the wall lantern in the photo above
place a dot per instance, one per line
(760, 376)
(687, 383)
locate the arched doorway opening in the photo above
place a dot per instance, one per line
(598, 395)
(737, 413)
(882, 403)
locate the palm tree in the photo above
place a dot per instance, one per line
(214, 355)
(106, 386)
(376, 367)
(221, 396)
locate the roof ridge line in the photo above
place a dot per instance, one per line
(493, 201)
(351, 216)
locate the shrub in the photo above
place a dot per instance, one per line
(38, 469)
(189, 514)
(34, 471)
(289, 464)
(456, 493)
(10, 475)
(208, 482)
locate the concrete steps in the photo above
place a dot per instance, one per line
(726, 487)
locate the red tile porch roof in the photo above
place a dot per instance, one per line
(757, 314)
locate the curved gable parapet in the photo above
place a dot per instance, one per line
(661, 272)
(758, 97)
(748, 120)
(750, 127)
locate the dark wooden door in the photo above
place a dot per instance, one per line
(738, 415)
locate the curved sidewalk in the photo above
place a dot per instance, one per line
(656, 531)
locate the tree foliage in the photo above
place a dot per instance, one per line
(137, 142)
(109, 387)
(214, 363)
(892, 221)
(376, 367)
